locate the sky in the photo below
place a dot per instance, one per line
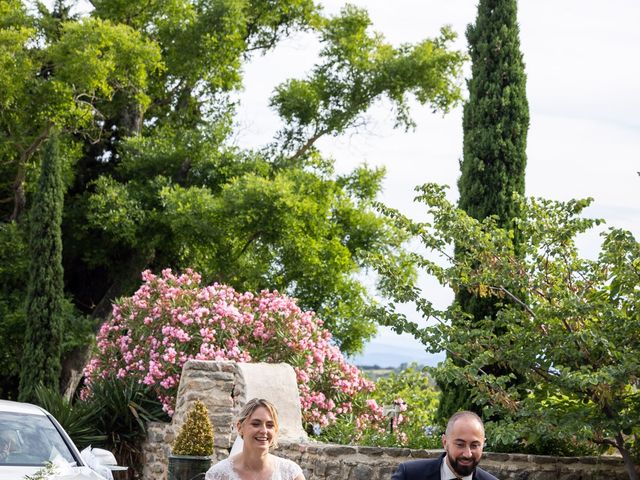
(583, 90)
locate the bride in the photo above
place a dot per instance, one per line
(258, 427)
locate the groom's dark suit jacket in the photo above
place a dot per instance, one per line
(430, 470)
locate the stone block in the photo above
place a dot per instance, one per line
(371, 451)
(498, 457)
(425, 453)
(361, 472)
(541, 475)
(333, 469)
(542, 459)
(386, 472)
(336, 450)
(398, 452)
(565, 476)
(315, 449)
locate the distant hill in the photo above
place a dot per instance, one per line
(391, 354)
(374, 372)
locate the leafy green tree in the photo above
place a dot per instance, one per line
(45, 86)
(495, 124)
(62, 72)
(275, 218)
(569, 325)
(145, 96)
(43, 321)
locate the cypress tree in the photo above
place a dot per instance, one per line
(45, 290)
(495, 125)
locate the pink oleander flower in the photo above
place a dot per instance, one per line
(173, 318)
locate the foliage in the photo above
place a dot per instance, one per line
(14, 268)
(356, 69)
(125, 408)
(43, 325)
(412, 390)
(115, 416)
(196, 435)
(495, 124)
(572, 338)
(77, 418)
(172, 319)
(496, 116)
(144, 97)
(407, 402)
(44, 473)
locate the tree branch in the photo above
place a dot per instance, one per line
(515, 299)
(307, 145)
(251, 239)
(19, 196)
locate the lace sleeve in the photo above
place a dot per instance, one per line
(288, 469)
(222, 470)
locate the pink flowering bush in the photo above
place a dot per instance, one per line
(173, 318)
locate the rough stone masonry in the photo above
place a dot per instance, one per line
(224, 387)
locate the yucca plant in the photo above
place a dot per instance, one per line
(126, 408)
(78, 418)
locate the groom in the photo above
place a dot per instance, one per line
(462, 442)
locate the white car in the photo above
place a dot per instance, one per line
(30, 439)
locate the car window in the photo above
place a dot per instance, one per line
(30, 440)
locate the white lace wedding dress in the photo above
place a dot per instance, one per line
(284, 469)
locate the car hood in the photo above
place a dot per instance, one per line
(16, 473)
(71, 473)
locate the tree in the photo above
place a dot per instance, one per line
(569, 325)
(56, 72)
(145, 95)
(278, 217)
(495, 124)
(44, 311)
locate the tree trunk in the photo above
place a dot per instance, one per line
(20, 199)
(629, 465)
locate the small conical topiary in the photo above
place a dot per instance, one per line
(196, 435)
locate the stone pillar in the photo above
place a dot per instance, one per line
(224, 387)
(276, 383)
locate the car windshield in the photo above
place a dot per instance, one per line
(30, 440)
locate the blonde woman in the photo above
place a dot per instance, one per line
(258, 427)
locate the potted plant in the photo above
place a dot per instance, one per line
(193, 447)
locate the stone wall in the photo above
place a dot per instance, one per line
(339, 462)
(225, 386)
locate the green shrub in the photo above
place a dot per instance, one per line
(196, 435)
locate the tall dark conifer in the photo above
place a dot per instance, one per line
(43, 332)
(495, 124)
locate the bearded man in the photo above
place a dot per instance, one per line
(463, 442)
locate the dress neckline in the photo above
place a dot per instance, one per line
(273, 473)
